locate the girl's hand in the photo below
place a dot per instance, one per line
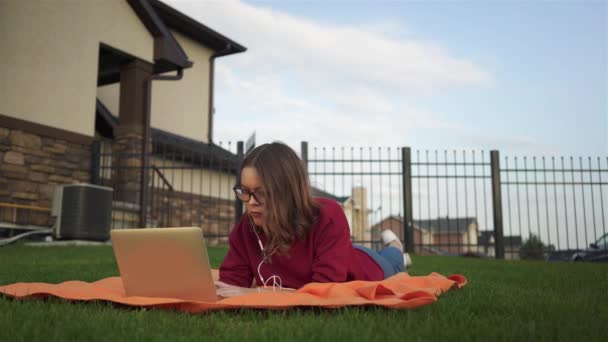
(227, 290)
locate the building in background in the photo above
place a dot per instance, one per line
(445, 235)
(356, 211)
(357, 214)
(512, 244)
(83, 73)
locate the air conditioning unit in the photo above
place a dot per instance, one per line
(82, 212)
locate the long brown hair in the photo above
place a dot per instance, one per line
(289, 208)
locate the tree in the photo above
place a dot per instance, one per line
(532, 249)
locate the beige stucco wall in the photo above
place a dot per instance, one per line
(180, 107)
(427, 237)
(472, 238)
(357, 214)
(196, 181)
(49, 55)
(109, 95)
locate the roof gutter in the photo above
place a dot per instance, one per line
(226, 51)
(144, 179)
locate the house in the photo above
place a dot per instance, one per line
(395, 224)
(452, 235)
(511, 243)
(356, 212)
(122, 72)
(444, 235)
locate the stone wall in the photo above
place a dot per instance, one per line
(180, 209)
(127, 164)
(31, 165)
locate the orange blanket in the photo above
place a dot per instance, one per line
(399, 291)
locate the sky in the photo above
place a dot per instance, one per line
(523, 77)
(527, 78)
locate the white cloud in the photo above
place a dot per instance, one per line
(364, 118)
(308, 48)
(362, 99)
(358, 117)
(328, 84)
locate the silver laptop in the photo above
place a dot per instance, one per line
(164, 262)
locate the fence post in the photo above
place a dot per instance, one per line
(145, 182)
(95, 161)
(304, 153)
(497, 205)
(408, 212)
(238, 204)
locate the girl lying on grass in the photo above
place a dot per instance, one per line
(287, 238)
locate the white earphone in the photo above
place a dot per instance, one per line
(277, 282)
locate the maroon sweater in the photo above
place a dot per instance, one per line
(327, 255)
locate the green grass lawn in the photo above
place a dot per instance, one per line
(504, 300)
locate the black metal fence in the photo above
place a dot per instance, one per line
(563, 201)
(367, 182)
(437, 202)
(463, 202)
(187, 183)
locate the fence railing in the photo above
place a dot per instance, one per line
(187, 184)
(367, 182)
(437, 202)
(463, 202)
(15, 217)
(563, 200)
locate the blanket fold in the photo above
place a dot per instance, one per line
(400, 291)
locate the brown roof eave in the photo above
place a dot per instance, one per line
(165, 52)
(166, 48)
(195, 30)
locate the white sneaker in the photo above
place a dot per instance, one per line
(388, 236)
(407, 261)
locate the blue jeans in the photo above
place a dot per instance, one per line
(389, 258)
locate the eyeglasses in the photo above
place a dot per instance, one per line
(245, 195)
